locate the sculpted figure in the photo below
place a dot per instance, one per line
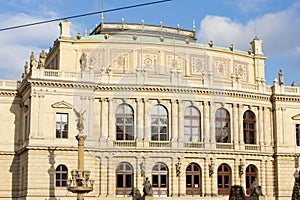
(32, 60)
(83, 61)
(281, 77)
(147, 187)
(42, 59)
(79, 120)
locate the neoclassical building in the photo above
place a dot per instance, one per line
(195, 119)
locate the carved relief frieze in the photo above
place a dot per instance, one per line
(221, 67)
(119, 62)
(92, 59)
(241, 70)
(198, 64)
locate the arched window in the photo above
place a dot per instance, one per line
(192, 124)
(224, 179)
(160, 178)
(124, 122)
(159, 123)
(124, 179)
(249, 127)
(251, 174)
(222, 126)
(193, 179)
(61, 176)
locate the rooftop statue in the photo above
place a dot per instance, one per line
(42, 59)
(281, 77)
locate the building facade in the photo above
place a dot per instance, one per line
(194, 119)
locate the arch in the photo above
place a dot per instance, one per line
(160, 177)
(159, 123)
(192, 127)
(193, 179)
(224, 179)
(61, 176)
(249, 127)
(251, 175)
(124, 179)
(124, 122)
(222, 126)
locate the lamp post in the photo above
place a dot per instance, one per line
(80, 181)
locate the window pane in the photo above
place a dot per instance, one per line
(163, 181)
(220, 182)
(120, 120)
(119, 181)
(189, 181)
(128, 180)
(155, 180)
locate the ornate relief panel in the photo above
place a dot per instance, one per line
(221, 67)
(149, 61)
(177, 62)
(241, 70)
(94, 59)
(119, 62)
(198, 64)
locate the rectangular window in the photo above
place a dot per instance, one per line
(61, 125)
(298, 134)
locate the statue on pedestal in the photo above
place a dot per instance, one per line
(147, 187)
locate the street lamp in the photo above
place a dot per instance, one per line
(80, 181)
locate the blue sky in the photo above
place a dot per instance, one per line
(276, 22)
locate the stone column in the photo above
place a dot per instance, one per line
(111, 121)
(262, 176)
(236, 176)
(235, 125)
(180, 125)
(240, 122)
(104, 119)
(206, 178)
(140, 122)
(206, 124)
(174, 122)
(91, 118)
(260, 122)
(147, 123)
(212, 126)
(267, 126)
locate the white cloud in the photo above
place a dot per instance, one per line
(279, 31)
(17, 44)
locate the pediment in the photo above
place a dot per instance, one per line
(296, 117)
(62, 104)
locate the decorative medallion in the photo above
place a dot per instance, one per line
(241, 70)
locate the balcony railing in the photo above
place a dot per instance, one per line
(197, 145)
(124, 144)
(224, 146)
(160, 144)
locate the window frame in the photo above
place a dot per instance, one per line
(159, 117)
(124, 126)
(190, 117)
(60, 134)
(297, 127)
(60, 181)
(124, 173)
(219, 130)
(247, 130)
(226, 179)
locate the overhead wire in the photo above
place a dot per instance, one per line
(83, 15)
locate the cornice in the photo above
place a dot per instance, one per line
(284, 98)
(10, 93)
(204, 91)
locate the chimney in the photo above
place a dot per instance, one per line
(256, 46)
(65, 29)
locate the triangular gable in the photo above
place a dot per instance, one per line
(296, 117)
(62, 104)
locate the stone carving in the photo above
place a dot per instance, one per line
(240, 70)
(174, 62)
(80, 119)
(281, 77)
(147, 189)
(221, 67)
(83, 61)
(42, 59)
(256, 189)
(198, 65)
(32, 60)
(237, 193)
